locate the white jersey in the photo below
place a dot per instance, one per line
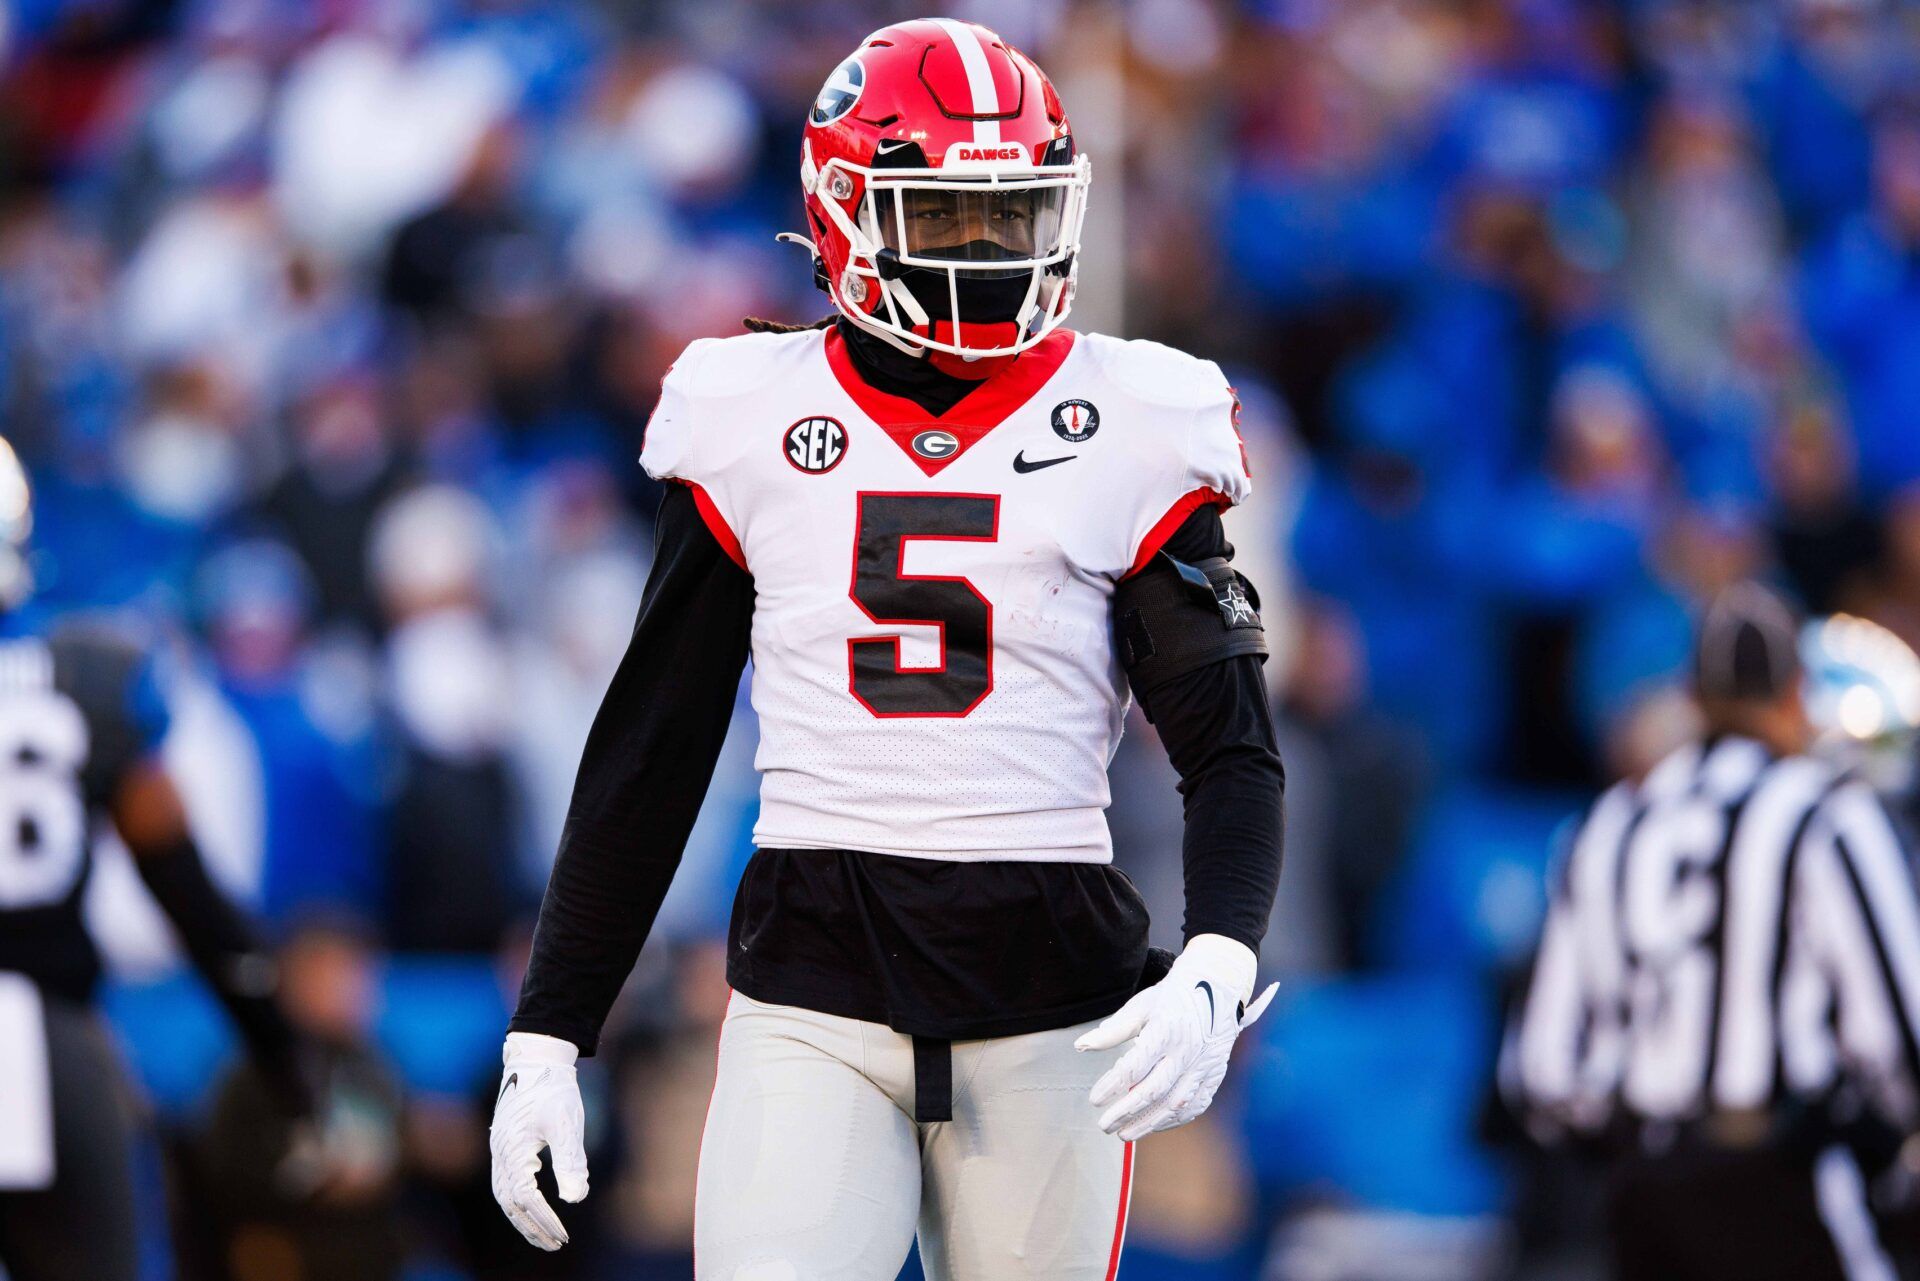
(933, 661)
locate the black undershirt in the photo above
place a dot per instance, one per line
(935, 949)
(918, 379)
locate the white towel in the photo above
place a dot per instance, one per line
(26, 1099)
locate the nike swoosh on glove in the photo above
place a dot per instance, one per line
(1183, 1029)
(538, 1107)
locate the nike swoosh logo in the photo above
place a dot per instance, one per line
(512, 1080)
(1021, 465)
(894, 144)
(1207, 987)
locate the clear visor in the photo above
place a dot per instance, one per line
(1015, 235)
(946, 222)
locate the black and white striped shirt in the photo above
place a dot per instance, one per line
(1733, 931)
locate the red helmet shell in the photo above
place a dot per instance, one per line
(932, 94)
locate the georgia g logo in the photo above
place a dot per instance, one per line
(816, 445)
(838, 95)
(935, 443)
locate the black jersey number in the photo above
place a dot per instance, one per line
(883, 527)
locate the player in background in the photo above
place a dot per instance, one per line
(80, 727)
(954, 537)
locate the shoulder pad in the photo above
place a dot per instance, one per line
(1621, 793)
(718, 368)
(710, 372)
(1158, 374)
(101, 643)
(106, 669)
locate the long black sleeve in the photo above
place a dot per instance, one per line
(223, 946)
(1217, 727)
(643, 776)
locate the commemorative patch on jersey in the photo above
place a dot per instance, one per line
(1075, 420)
(816, 445)
(935, 443)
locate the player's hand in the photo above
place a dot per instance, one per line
(1182, 1029)
(538, 1107)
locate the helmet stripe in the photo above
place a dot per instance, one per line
(973, 57)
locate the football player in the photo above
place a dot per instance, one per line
(954, 537)
(80, 727)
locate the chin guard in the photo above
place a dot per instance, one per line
(1172, 618)
(971, 367)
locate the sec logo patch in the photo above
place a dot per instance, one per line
(1075, 420)
(816, 445)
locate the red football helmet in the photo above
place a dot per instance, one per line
(944, 191)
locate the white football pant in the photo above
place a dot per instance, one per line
(813, 1169)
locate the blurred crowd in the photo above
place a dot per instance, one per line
(328, 329)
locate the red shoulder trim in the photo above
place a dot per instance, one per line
(716, 523)
(1176, 516)
(976, 414)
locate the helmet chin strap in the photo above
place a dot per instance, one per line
(908, 305)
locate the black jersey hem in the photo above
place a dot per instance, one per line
(823, 995)
(958, 951)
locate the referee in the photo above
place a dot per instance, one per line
(1728, 985)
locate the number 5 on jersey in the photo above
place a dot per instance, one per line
(883, 526)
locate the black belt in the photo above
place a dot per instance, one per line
(932, 1079)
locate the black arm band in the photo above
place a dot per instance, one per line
(223, 947)
(1173, 618)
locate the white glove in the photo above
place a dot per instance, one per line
(1183, 1029)
(539, 1107)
